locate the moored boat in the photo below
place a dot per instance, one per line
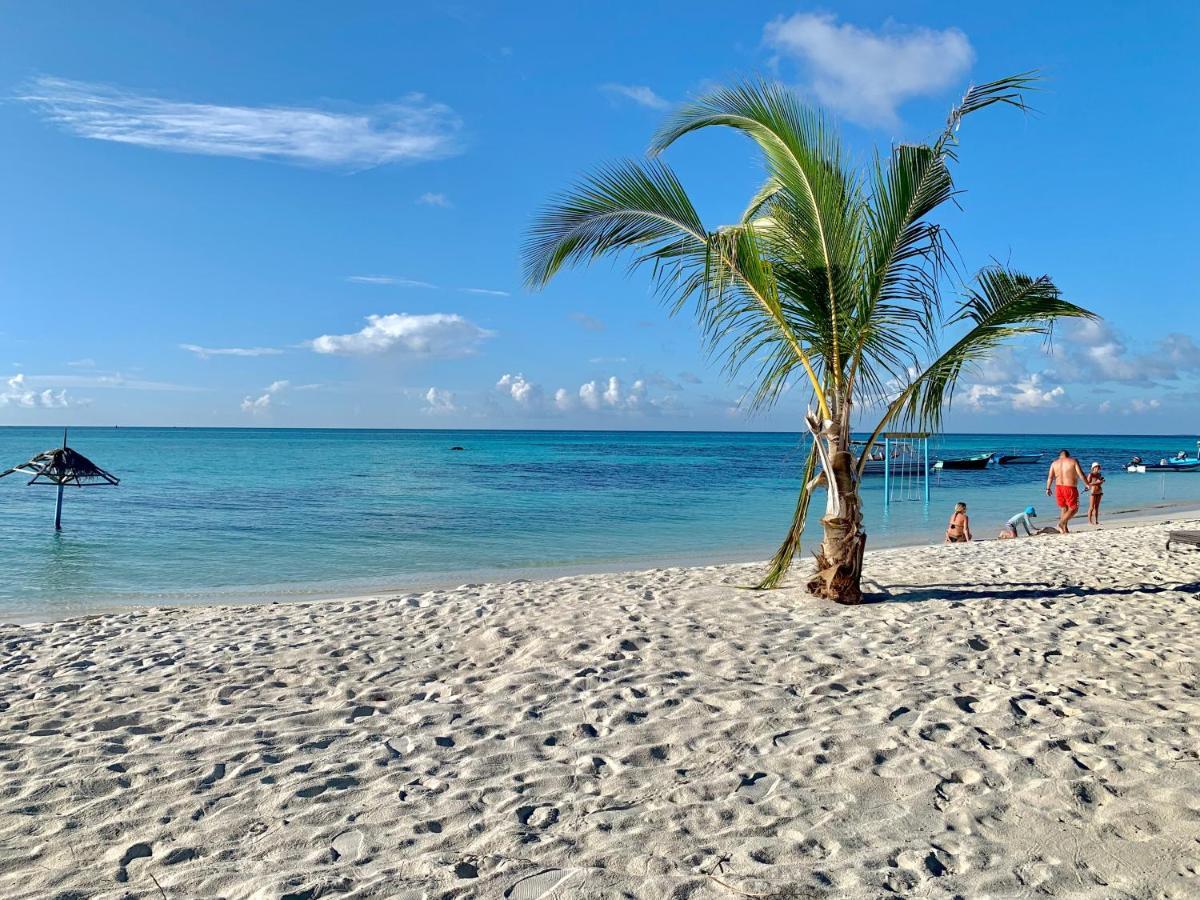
(979, 461)
(1019, 459)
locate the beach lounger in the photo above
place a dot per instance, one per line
(1183, 537)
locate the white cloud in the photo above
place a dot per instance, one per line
(1031, 393)
(487, 291)
(1092, 351)
(389, 280)
(608, 360)
(608, 394)
(106, 380)
(563, 401)
(412, 129)
(19, 393)
(209, 352)
(429, 198)
(87, 363)
(638, 93)
(434, 334)
(1027, 393)
(441, 402)
(262, 403)
(1138, 405)
(524, 392)
(867, 74)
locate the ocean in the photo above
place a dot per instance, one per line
(236, 515)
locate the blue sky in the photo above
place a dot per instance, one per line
(301, 214)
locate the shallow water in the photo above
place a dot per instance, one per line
(243, 514)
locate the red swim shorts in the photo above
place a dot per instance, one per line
(1067, 496)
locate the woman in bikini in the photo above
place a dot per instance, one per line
(958, 531)
(1095, 484)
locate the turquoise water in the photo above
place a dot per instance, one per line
(245, 514)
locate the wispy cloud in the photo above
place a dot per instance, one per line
(432, 335)
(389, 280)
(638, 93)
(867, 74)
(588, 323)
(429, 198)
(87, 363)
(209, 352)
(412, 129)
(114, 380)
(487, 291)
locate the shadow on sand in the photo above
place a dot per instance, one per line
(1012, 590)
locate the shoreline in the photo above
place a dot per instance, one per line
(1019, 719)
(238, 597)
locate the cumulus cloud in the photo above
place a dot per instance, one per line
(262, 403)
(523, 391)
(638, 93)
(608, 394)
(439, 402)
(429, 198)
(19, 393)
(1092, 351)
(209, 352)
(867, 74)
(563, 401)
(1028, 393)
(431, 335)
(412, 129)
(389, 280)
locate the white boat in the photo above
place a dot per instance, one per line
(904, 459)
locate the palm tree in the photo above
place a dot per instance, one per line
(831, 280)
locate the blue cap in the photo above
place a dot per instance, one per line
(1030, 511)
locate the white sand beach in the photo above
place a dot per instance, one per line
(1023, 719)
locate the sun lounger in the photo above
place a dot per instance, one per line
(1183, 537)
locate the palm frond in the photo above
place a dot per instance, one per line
(1004, 304)
(624, 207)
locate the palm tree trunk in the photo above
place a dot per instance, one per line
(840, 557)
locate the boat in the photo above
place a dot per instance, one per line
(1019, 459)
(1166, 465)
(904, 459)
(1180, 462)
(979, 461)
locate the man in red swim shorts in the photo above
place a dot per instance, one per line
(1067, 472)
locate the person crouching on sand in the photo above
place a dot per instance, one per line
(1095, 483)
(1063, 482)
(1022, 519)
(959, 529)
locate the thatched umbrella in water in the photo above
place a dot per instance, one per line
(62, 466)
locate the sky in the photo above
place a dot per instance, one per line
(311, 214)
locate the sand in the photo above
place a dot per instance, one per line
(1023, 719)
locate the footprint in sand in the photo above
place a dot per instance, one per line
(347, 846)
(137, 851)
(756, 787)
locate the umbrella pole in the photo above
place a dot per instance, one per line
(58, 510)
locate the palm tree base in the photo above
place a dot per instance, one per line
(839, 575)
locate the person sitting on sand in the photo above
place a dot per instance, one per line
(959, 529)
(1095, 483)
(1022, 519)
(1063, 481)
